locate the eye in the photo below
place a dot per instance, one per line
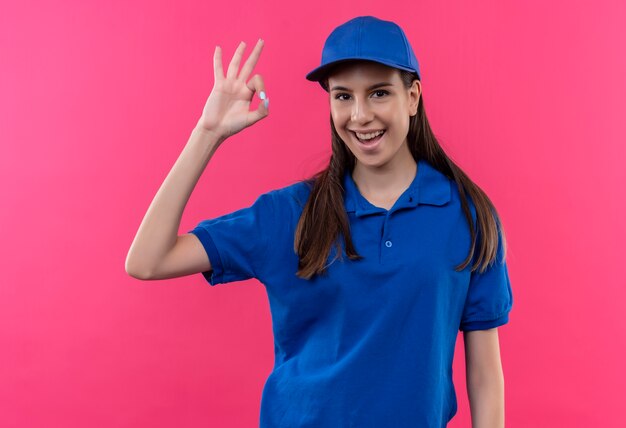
(380, 91)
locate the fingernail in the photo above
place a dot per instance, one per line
(262, 95)
(267, 103)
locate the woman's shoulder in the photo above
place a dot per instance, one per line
(456, 196)
(296, 193)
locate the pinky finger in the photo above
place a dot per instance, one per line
(218, 71)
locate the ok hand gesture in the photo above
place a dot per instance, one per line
(227, 110)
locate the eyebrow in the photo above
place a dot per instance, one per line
(377, 85)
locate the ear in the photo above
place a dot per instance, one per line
(415, 93)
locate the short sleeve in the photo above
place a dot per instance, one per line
(237, 243)
(489, 297)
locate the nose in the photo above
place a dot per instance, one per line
(361, 111)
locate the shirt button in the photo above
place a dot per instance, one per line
(388, 243)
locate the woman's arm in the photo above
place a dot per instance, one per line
(157, 251)
(158, 232)
(484, 378)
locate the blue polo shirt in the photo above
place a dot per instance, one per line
(371, 343)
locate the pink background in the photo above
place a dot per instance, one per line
(98, 99)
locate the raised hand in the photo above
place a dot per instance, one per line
(227, 110)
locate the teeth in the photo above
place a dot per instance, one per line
(369, 136)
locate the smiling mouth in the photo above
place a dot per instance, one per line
(370, 140)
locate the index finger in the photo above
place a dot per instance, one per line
(251, 61)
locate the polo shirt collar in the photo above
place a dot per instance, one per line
(429, 186)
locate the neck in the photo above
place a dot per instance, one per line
(390, 179)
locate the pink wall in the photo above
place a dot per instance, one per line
(97, 101)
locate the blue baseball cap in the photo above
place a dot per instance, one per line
(367, 38)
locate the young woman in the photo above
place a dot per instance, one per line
(371, 266)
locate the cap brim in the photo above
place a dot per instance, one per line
(320, 72)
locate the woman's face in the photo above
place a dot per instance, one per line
(366, 98)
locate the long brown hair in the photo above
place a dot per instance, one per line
(324, 218)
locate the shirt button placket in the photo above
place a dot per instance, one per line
(385, 250)
(386, 242)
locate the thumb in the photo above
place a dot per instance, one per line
(257, 85)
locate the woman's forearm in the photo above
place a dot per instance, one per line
(159, 229)
(486, 396)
